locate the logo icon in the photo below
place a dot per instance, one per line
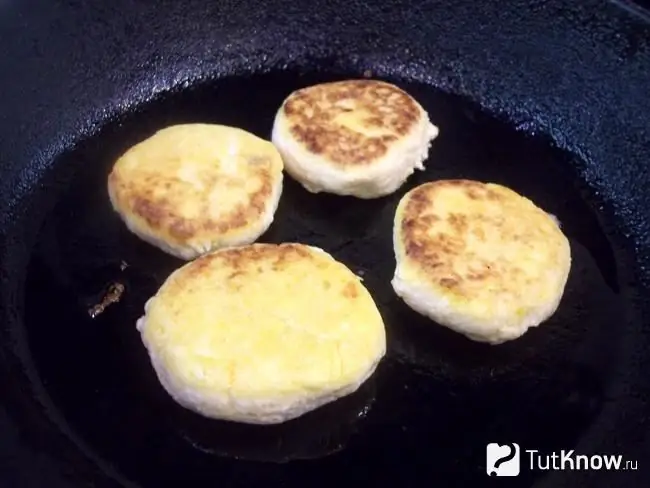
(503, 460)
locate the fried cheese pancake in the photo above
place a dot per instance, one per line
(356, 137)
(479, 258)
(190, 189)
(262, 333)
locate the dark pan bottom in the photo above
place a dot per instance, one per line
(437, 399)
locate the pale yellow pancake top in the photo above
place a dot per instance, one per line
(263, 321)
(481, 246)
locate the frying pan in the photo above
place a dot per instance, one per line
(549, 97)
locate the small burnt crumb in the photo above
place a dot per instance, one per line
(113, 295)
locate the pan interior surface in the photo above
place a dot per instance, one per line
(437, 398)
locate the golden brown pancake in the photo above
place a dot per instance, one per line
(479, 258)
(190, 189)
(354, 137)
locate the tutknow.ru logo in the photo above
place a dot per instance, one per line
(505, 460)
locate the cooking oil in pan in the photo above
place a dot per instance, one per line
(437, 398)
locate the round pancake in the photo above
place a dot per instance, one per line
(479, 258)
(356, 137)
(262, 333)
(190, 189)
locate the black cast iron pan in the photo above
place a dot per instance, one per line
(551, 98)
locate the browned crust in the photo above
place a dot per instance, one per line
(246, 261)
(311, 114)
(438, 253)
(255, 257)
(350, 290)
(161, 214)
